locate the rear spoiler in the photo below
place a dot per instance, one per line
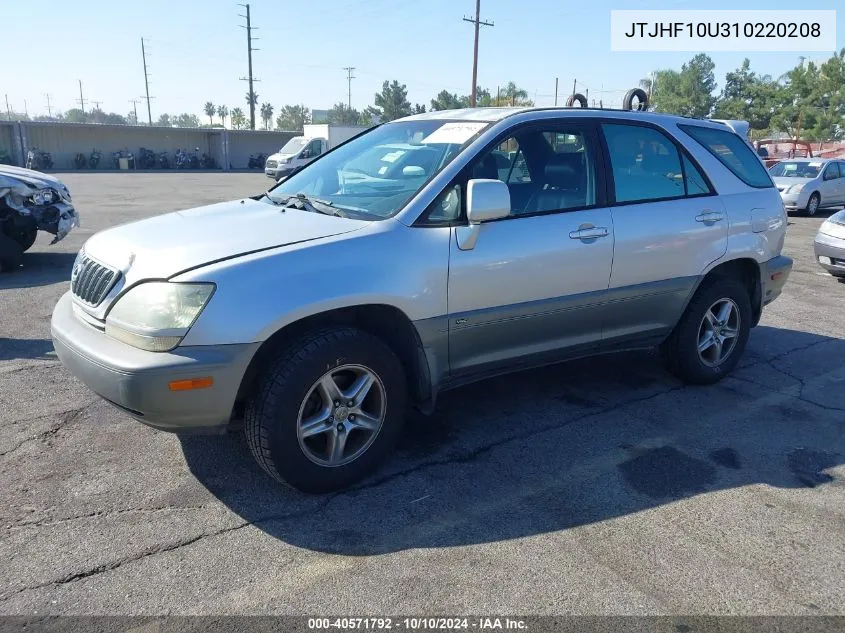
(740, 127)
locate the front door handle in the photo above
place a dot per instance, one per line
(709, 217)
(588, 233)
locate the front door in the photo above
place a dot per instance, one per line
(531, 284)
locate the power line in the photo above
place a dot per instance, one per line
(478, 23)
(135, 103)
(146, 85)
(349, 78)
(249, 28)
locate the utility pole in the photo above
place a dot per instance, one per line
(134, 103)
(574, 84)
(249, 49)
(81, 100)
(349, 78)
(498, 94)
(478, 23)
(555, 90)
(8, 109)
(146, 83)
(49, 108)
(25, 109)
(96, 104)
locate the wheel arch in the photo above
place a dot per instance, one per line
(384, 321)
(747, 270)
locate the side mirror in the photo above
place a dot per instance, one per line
(487, 200)
(413, 171)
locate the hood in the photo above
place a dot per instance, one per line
(29, 176)
(162, 246)
(788, 181)
(279, 156)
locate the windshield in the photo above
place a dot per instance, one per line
(793, 169)
(294, 145)
(375, 174)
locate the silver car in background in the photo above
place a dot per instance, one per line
(421, 255)
(829, 245)
(810, 184)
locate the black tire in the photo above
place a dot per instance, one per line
(24, 234)
(271, 417)
(811, 210)
(635, 93)
(680, 351)
(578, 98)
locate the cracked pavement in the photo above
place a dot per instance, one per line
(601, 486)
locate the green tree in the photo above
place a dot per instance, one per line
(483, 98)
(749, 97)
(392, 102)
(342, 114)
(222, 112)
(371, 116)
(512, 95)
(75, 115)
(688, 92)
(267, 114)
(186, 120)
(293, 118)
(238, 119)
(164, 121)
(209, 111)
(251, 101)
(446, 100)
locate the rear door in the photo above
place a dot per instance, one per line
(831, 184)
(668, 227)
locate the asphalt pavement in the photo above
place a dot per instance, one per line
(601, 486)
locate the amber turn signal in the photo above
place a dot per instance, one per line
(191, 383)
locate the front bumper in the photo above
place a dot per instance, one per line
(773, 276)
(136, 381)
(832, 248)
(795, 201)
(277, 172)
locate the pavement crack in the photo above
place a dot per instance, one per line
(65, 418)
(102, 514)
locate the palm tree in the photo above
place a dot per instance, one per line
(238, 119)
(210, 110)
(222, 112)
(252, 101)
(515, 95)
(267, 114)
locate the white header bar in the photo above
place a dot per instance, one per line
(723, 30)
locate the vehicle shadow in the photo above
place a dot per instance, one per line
(563, 446)
(39, 269)
(35, 349)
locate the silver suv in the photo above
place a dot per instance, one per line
(421, 255)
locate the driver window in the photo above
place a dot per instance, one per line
(545, 170)
(314, 148)
(832, 172)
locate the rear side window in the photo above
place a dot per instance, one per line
(733, 152)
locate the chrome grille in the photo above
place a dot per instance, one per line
(271, 164)
(90, 281)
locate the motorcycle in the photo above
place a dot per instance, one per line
(146, 158)
(94, 158)
(79, 161)
(256, 161)
(163, 161)
(124, 153)
(38, 160)
(208, 161)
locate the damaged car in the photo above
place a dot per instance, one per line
(31, 201)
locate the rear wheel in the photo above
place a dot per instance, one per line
(22, 230)
(813, 205)
(708, 341)
(328, 411)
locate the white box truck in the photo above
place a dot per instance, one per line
(316, 139)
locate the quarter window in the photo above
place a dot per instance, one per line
(733, 152)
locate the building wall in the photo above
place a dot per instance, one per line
(230, 148)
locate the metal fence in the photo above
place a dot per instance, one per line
(231, 149)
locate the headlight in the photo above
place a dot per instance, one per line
(157, 315)
(43, 196)
(795, 189)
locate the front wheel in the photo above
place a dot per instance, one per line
(813, 205)
(328, 411)
(708, 341)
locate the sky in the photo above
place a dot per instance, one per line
(196, 51)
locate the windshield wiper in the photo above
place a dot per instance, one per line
(301, 201)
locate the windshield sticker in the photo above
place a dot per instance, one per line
(454, 133)
(392, 157)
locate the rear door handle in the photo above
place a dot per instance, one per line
(709, 217)
(588, 233)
